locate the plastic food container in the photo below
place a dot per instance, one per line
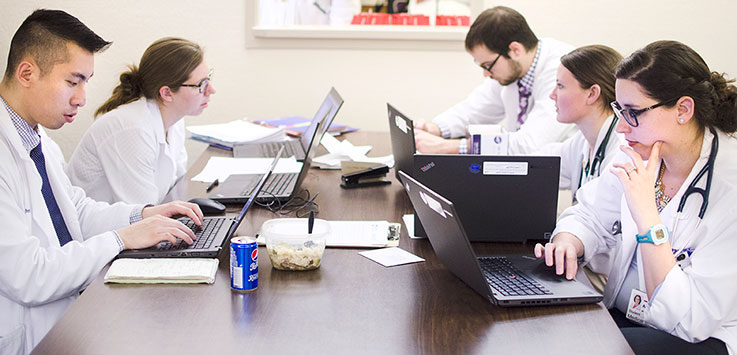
(289, 245)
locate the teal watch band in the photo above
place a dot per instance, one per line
(657, 234)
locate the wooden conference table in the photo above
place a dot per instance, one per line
(349, 305)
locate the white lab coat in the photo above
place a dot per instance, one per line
(574, 153)
(38, 278)
(492, 103)
(693, 303)
(126, 156)
(307, 12)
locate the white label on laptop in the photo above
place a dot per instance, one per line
(402, 124)
(505, 168)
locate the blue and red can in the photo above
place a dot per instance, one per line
(243, 264)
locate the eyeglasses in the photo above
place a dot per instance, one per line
(488, 67)
(202, 85)
(630, 114)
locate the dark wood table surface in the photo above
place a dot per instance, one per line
(349, 305)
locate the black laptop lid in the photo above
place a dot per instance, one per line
(402, 134)
(499, 198)
(447, 236)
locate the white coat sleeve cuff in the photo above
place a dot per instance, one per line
(589, 241)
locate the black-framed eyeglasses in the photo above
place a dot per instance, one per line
(630, 114)
(202, 85)
(488, 67)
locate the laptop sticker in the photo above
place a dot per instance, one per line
(505, 168)
(402, 124)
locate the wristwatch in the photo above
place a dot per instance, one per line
(657, 234)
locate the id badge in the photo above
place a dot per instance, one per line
(637, 306)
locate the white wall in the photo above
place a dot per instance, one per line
(272, 82)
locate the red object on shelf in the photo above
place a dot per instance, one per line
(365, 18)
(443, 20)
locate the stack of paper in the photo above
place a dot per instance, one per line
(228, 134)
(162, 270)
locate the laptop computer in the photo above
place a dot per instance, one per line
(238, 188)
(518, 195)
(402, 132)
(505, 280)
(297, 147)
(210, 236)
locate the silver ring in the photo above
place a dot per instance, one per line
(631, 170)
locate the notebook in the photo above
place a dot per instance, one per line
(297, 147)
(505, 280)
(402, 132)
(210, 236)
(238, 188)
(516, 194)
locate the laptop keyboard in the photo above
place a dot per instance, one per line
(276, 185)
(508, 280)
(271, 148)
(205, 234)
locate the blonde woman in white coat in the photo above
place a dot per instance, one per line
(55, 240)
(675, 248)
(584, 89)
(135, 151)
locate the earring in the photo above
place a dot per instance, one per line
(682, 121)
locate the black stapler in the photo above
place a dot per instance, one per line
(375, 175)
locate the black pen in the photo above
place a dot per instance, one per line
(212, 185)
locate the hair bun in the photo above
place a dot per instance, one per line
(130, 83)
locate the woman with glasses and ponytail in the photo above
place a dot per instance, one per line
(666, 207)
(134, 151)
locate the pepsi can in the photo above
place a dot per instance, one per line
(243, 264)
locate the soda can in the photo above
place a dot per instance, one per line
(243, 264)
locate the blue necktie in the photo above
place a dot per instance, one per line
(56, 217)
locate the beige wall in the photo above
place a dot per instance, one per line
(269, 82)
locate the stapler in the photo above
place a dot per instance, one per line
(375, 175)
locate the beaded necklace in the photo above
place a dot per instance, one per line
(661, 199)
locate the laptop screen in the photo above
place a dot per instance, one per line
(324, 116)
(255, 193)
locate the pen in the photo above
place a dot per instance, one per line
(212, 185)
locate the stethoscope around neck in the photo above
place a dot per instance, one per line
(708, 170)
(593, 166)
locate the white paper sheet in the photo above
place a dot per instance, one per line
(222, 167)
(345, 151)
(237, 131)
(391, 256)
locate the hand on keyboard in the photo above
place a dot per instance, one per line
(152, 230)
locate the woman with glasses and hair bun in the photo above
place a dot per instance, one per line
(668, 204)
(134, 152)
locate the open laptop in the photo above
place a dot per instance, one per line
(210, 236)
(505, 280)
(238, 188)
(297, 147)
(518, 195)
(402, 132)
